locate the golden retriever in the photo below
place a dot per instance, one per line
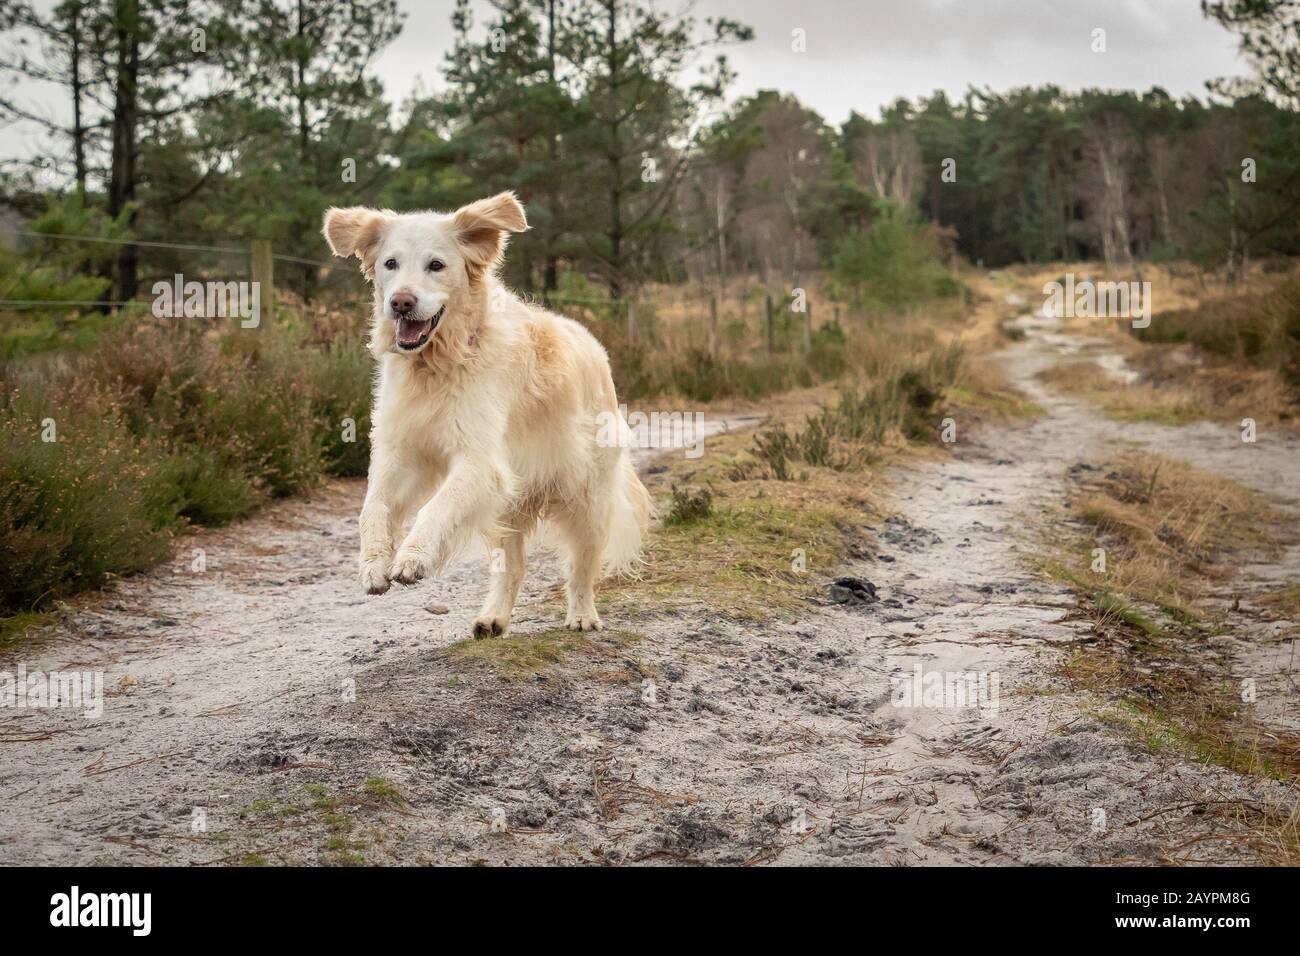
(488, 414)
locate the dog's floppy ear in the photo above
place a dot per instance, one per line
(481, 227)
(355, 231)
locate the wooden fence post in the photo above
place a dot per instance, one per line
(713, 326)
(961, 289)
(807, 326)
(769, 325)
(263, 273)
(631, 320)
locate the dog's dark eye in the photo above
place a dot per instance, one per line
(390, 264)
(437, 265)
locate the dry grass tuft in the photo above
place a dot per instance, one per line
(1171, 533)
(1284, 601)
(738, 560)
(1167, 529)
(1177, 393)
(1212, 351)
(1134, 402)
(520, 655)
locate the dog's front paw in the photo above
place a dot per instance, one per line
(590, 621)
(374, 577)
(490, 625)
(408, 567)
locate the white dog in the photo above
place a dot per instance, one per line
(486, 414)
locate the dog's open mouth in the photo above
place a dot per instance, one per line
(413, 333)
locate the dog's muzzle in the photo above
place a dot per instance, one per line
(413, 333)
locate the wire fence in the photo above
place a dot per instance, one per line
(233, 250)
(254, 250)
(731, 316)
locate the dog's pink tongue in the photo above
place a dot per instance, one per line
(410, 330)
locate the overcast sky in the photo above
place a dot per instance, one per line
(865, 53)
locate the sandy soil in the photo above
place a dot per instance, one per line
(249, 703)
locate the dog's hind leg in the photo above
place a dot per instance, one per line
(506, 561)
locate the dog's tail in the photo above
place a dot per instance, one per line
(629, 518)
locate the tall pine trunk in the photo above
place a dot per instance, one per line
(122, 177)
(78, 124)
(550, 272)
(615, 156)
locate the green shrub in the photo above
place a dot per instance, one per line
(74, 511)
(246, 398)
(342, 391)
(49, 270)
(159, 426)
(894, 264)
(1261, 329)
(206, 487)
(775, 449)
(900, 399)
(641, 372)
(700, 377)
(689, 506)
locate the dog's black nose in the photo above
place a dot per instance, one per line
(402, 303)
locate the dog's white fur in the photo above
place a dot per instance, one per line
(491, 425)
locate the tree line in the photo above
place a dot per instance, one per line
(205, 120)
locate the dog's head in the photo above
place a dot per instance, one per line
(426, 267)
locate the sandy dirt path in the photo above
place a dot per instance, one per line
(263, 710)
